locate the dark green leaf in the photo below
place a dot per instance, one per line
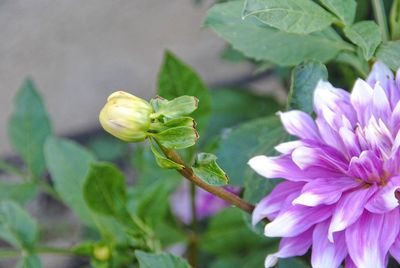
(357, 62)
(207, 169)
(304, 80)
(104, 189)
(16, 226)
(160, 260)
(389, 53)
(29, 126)
(255, 258)
(293, 16)
(18, 192)
(255, 137)
(177, 137)
(265, 43)
(366, 35)
(345, 10)
(177, 79)
(30, 261)
(395, 20)
(108, 148)
(292, 262)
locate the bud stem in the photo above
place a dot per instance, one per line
(188, 173)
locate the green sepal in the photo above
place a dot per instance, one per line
(177, 107)
(177, 137)
(207, 169)
(162, 161)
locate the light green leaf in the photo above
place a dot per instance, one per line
(207, 169)
(18, 192)
(16, 226)
(160, 260)
(258, 136)
(292, 16)
(265, 43)
(104, 189)
(304, 80)
(366, 35)
(345, 10)
(177, 79)
(176, 107)
(357, 62)
(162, 161)
(395, 20)
(30, 261)
(177, 137)
(389, 53)
(28, 127)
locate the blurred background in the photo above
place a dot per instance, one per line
(78, 52)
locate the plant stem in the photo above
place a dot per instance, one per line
(57, 251)
(193, 237)
(380, 16)
(9, 254)
(188, 173)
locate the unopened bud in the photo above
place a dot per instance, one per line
(102, 253)
(126, 117)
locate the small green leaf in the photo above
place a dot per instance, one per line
(389, 54)
(18, 192)
(395, 20)
(345, 10)
(162, 161)
(30, 261)
(177, 107)
(261, 42)
(177, 79)
(177, 137)
(160, 260)
(180, 122)
(16, 226)
(292, 16)
(304, 80)
(366, 35)
(29, 126)
(207, 169)
(104, 190)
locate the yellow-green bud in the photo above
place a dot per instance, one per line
(102, 253)
(127, 117)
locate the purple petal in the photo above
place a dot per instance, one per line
(384, 200)
(324, 191)
(361, 98)
(381, 106)
(326, 254)
(350, 141)
(296, 219)
(395, 249)
(300, 124)
(306, 157)
(288, 147)
(367, 167)
(349, 263)
(291, 246)
(382, 75)
(272, 204)
(370, 238)
(349, 209)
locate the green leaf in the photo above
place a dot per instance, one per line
(160, 260)
(292, 262)
(345, 10)
(18, 192)
(265, 43)
(207, 169)
(389, 54)
(293, 16)
(304, 80)
(366, 35)
(255, 137)
(16, 226)
(177, 137)
(357, 62)
(395, 20)
(162, 161)
(104, 189)
(255, 258)
(30, 261)
(177, 79)
(179, 106)
(28, 128)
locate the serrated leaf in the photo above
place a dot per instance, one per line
(261, 42)
(345, 10)
(304, 80)
(292, 16)
(258, 136)
(395, 20)
(160, 260)
(177, 79)
(180, 106)
(207, 169)
(28, 128)
(366, 35)
(104, 189)
(162, 161)
(18, 192)
(389, 54)
(177, 137)
(16, 226)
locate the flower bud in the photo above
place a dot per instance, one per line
(102, 253)
(126, 117)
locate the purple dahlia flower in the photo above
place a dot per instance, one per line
(341, 177)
